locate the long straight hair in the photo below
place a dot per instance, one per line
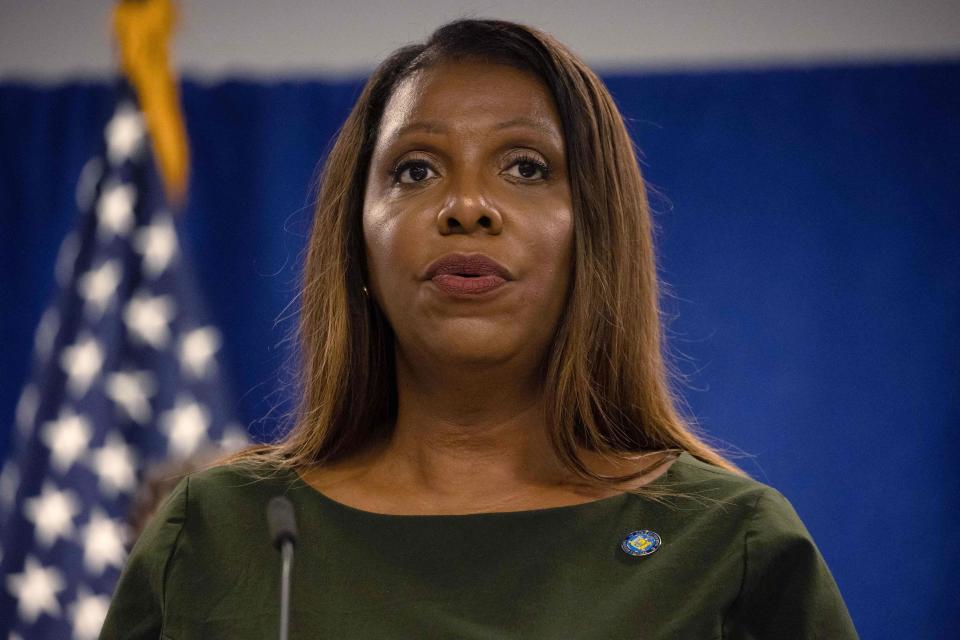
(606, 375)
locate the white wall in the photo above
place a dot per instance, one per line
(69, 38)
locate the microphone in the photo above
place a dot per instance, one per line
(283, 534)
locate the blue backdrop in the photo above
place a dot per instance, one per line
(809, 233)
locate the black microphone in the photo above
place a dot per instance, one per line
(283, 534)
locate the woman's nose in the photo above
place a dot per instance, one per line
(467, 208)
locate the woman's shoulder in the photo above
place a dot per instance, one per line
(692, 473)
(785, 581)
(757, 506)
(204, 499)
(209, 519)
(227, 488)
(241, 475)
(210, 503)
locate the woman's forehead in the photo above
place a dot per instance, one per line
(469, 94)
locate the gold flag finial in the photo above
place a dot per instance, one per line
(142, 29)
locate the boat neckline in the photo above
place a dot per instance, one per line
(590, 505)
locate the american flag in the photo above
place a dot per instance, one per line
(125, 375)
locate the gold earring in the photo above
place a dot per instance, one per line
(366, 292)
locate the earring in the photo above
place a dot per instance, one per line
(366, 292)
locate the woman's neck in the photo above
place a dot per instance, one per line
(467, 440)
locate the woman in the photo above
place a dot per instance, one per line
(485, 445)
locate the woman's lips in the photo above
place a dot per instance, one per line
(465, 276)
(457, 285)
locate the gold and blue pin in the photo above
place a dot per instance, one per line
(641, 543)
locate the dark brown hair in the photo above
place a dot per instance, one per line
(606, 377)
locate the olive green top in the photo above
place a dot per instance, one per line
(734, 561)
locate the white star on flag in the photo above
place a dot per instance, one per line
(186, 426)
(98, 287)
(147, 318)
(114, 464)
(36, 590)
(234, 438)
(81, 361)
(131, 391)
(115, 211)
(67, 437)
(88, 612)
(157, 243)
(124, 134)
(52, 514)
(103, 540)
(197, 348)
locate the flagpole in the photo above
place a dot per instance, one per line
(143, 30)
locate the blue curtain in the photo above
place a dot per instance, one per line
(808, 231)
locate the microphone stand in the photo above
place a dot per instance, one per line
(286, 554)
(283, 531)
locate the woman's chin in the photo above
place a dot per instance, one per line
(479, 349)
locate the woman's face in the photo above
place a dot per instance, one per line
(469, 160)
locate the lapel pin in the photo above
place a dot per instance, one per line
(641, 543)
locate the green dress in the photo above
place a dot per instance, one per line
(734, 561)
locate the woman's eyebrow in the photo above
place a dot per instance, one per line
(529, 123)
(432, 126)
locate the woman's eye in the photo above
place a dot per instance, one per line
(414, 170)
(528, 168)
(417, 171)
